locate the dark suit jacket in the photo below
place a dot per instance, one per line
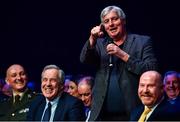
(9, 112)
(163, 112)
(3, 96)
(175, 108)
(68, 108)
(141, 59)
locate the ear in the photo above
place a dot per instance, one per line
(7, 81)
(61, 87)
(163, 88)
(124, 21)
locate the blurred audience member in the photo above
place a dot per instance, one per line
(85, 92)
(172, 90)
(3, 96)
(2, 82)
(66, 82)
(7, 90)
(71, 86)
(171, 85)
(16, 107)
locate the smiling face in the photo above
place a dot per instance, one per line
(16, 78)
(172, 86)
(150, 88)
(85, 94)
(114, 25)
(73, 89)
(50, 84)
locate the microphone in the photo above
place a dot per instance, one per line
(110, 40)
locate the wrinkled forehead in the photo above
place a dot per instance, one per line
(14, 69)
(147, 81)
(50, 73)
(172, 76)
(150, 77)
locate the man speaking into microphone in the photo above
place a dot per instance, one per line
(115, 87)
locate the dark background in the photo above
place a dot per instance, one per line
(38, 33)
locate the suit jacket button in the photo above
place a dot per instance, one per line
(13, 114)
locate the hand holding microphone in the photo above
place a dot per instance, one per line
(109, 50)
(110, 42)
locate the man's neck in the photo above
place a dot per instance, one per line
(119, 41)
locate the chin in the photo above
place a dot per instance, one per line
(49, 97)
(147, 103)
(21, 88)
(172, 96)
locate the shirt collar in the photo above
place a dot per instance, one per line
(20, 94)
(55, 101)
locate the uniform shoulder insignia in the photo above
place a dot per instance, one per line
(4, 99)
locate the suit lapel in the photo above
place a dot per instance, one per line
(128, 43)
(40, 110)
(127, 46)
(59, 110)
(158, 111)
(138, 113)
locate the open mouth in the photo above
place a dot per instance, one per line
(112, 30)
(146, 96)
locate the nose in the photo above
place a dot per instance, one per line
(48, 83)
(110, 23)
(171, 84)
(69, 91)
(82, 98)
(18, 77)
(146, 89)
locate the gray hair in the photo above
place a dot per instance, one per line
(61, 74)
(116, 9)
(89, 80)
(171, 73)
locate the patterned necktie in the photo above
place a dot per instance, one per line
(47, 113)
(144, 114)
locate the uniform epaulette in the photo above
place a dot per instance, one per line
(4, 99)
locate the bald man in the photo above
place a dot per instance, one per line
(151, 94)
(17, 106)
